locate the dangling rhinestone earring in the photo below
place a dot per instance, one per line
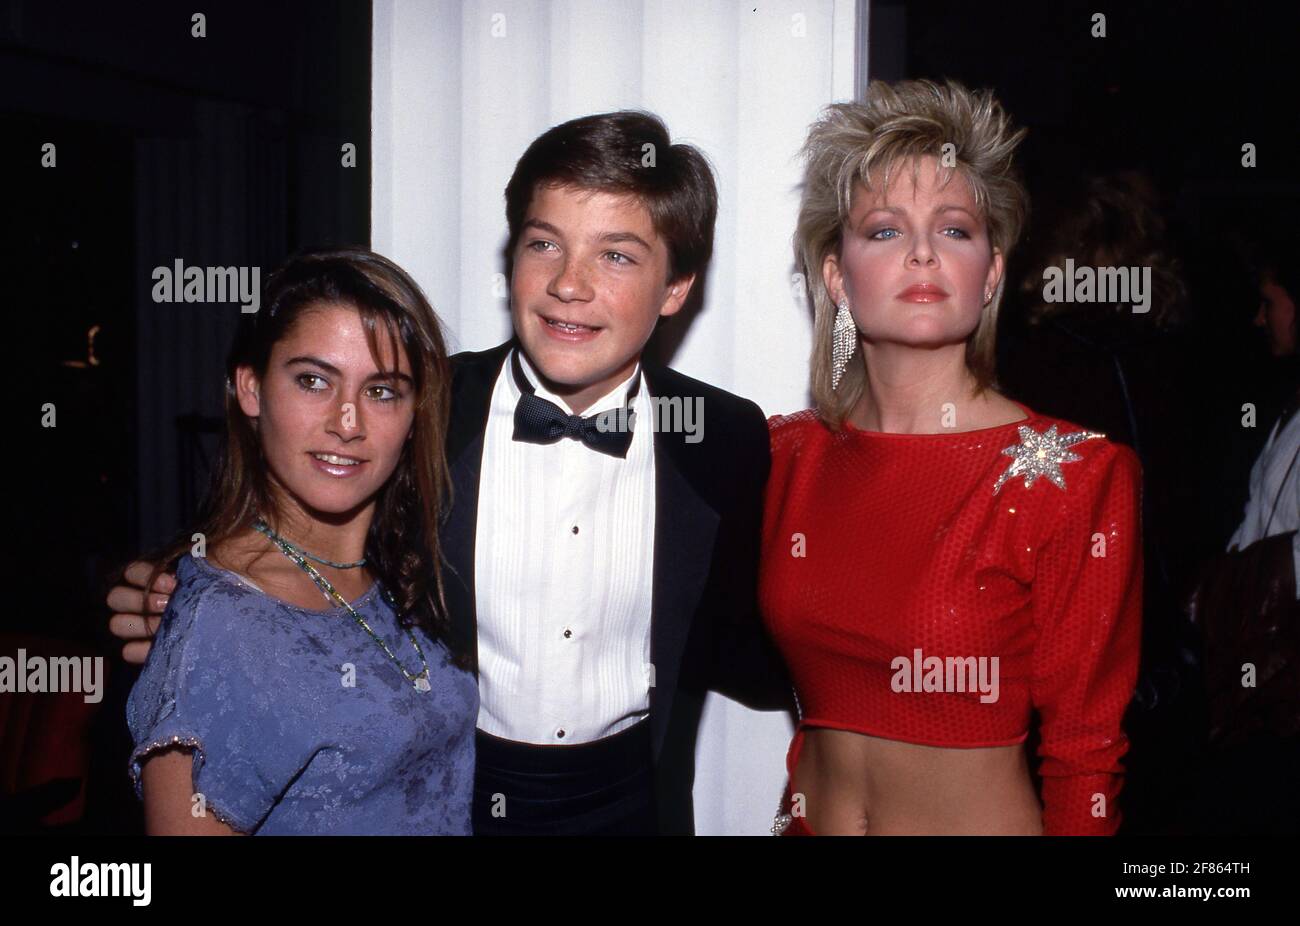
(844, 340)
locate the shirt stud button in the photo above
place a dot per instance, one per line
(559, 734)
(567, 633)
(575, 528)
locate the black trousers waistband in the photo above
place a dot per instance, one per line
(626, 749)
(602, 787)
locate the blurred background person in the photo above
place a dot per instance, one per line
(1125, 369)
(1246, 602)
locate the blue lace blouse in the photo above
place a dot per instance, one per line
(298, 722)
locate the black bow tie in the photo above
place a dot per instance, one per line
(538, 421)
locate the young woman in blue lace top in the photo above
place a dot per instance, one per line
(303, 679)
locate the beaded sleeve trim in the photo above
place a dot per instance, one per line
(146, 751)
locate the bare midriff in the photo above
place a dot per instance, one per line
(860, 785)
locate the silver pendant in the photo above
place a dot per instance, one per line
(422, 684)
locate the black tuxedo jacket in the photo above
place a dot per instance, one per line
(705, 629)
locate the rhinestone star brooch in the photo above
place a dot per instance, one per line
(1042, 455)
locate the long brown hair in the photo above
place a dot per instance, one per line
(402, 546)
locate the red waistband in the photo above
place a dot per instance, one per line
(814, 722)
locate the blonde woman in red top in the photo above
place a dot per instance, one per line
(943, 568)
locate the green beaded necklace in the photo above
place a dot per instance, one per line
(298, 556)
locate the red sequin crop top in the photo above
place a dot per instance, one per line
(940, 588)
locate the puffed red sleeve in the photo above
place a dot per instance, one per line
(1087, 593)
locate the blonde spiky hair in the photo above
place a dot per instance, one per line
(897, 124)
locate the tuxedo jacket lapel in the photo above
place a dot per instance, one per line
(685, 524)
(472, 382)
(685, 528)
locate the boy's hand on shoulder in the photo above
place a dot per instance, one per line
(138, 613)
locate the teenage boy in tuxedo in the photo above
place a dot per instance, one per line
(602, 545)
